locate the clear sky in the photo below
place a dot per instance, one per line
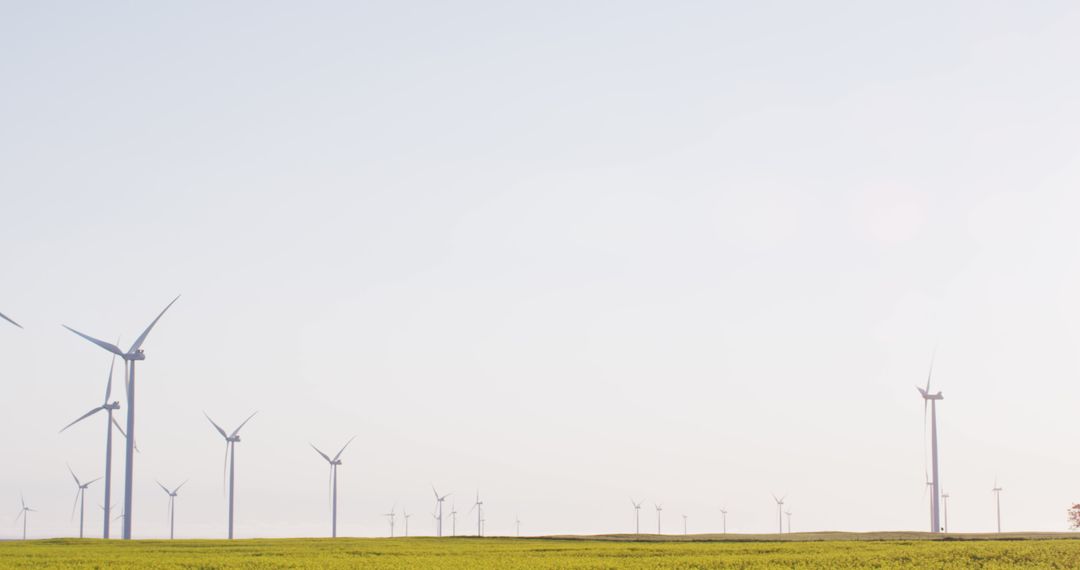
(563, 252)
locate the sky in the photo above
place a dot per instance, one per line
(563, 253)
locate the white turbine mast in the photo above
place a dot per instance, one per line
(133, 355)
(24, 515)
(334, 464)
(780, 511)
(723, 512)
(637, 515)
(930, 401)
(172, 506)
(231, 439)
(439, 510)
(997, 499)
(659, 509)
(80, 499)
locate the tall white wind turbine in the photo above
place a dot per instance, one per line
(723, 512)
(945, 504)
(479, 507)
(172, 506)
(930, 400)
(80, 499)
(517, 523)
(405, 515)
(659, 509)
(231, 439)
(684, 525)
(780, 511)
(788, 513)
(23, 514)
(453, 519)
(8, 319)
(997, 498)
(133, 354)
(334, 464)
(108, 407)
(637, 515)
(390, 517)
(439, 510)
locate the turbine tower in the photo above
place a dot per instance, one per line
(931, 401)
(479, 507)
(780, 511)
(23, 515)
(8, 319)
(997, 498)
(80, 499)
(406, 516)
(659, 509)
(788, 513)
(684, 525)
(723, 512)
(453, 518)
(945, 505)
(172, 506)
(134, 354)
(390, 516)
(334, 464)
(110, 421)
(517, 523)
(637, 515)
(230, 462)
(438, 506)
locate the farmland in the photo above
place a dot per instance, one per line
(897, 550)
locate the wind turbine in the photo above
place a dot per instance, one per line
(931, 401)
(517, 523)
(406, 516)
(230, 461)
(637, 515)
(80, 498)
(172, 505)
(390, 516)
(788, 513)
(23, 514)
(134, 354)
(997, 497)
(334, 464)
(479, 506)
(109, 408)
(724, 513)
(453, 518)
(780, 511)
(684, 525)
(439, 505)
(659, 509)
(8, 319)
(945, 503)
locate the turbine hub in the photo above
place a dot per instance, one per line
(136, 355)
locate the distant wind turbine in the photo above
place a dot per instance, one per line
(684, 525)
(723, 512)
(23, 513)
(931, 401)
(334, 464)
(110, 421)
(637, 515)
(8, 319)
(997, 498)
(945, 503)
(479, 507)
(80, 498)
(453, 518)
(405, 515)
(172, 506)
(438, 506)
(659, 509)
(390, 517)
(230, 462)
(780, 511)
(134, 354)
(788, 513)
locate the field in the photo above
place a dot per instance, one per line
(798, 551)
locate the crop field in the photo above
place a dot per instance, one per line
(868, 551)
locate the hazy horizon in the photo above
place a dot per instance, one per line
(564, 253)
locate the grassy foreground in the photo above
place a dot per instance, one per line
(509, 553)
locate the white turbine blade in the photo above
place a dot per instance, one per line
(142, 337)
(177, 489)
(324, 456)
(75, 505)
(20, 515)
(106, 345)
(134, 444)
(8, 319)
(78, 484)
(88, 483)
(217, 427)
(338, 456)
(108, 386)
(83, 417)
(436, 493)
(237, 430)
(163, 487)
(225, 470)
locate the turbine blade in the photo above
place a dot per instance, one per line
(8, 319)
(75, 504)
(177, 489)
(78, 484)
(163, 487)
(324, 456)
(142, 337)
(237, 430)
(107, 346)
(135, 444)
(338, 456)
(83, 417)
(217, 427)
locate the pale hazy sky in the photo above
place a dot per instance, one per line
(565, 252)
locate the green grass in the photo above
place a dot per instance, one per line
(871, 551)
